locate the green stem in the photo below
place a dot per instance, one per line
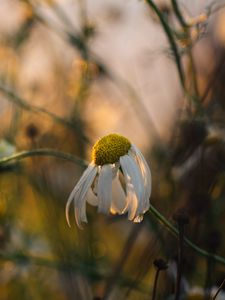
(171, 40)
(194, 74)
(170, 36)
(178, 13)
(155, 284)
(83, 163)
(43, 152)
(175, 232)
(186, 31)
(13, 97)
(180, 260)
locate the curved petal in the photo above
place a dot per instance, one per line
(95, 185)
(92, 200)
(80, 190)
(119, 201)
(129, 166)
(134, 184)
(132, 202)
(146, 174)
(105, 189)
(138, 219)
(79, 199)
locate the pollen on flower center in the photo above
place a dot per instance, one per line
(109, 149)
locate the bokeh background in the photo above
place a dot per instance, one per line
(72, 71)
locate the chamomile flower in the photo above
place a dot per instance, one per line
(113, 158)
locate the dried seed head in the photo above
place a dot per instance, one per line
(160, 264)
(32, 131)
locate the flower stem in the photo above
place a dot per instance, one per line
(186, 30)
(155, 284)
(19, 101)
(171, 40)
(173, 230)
(179, 14)
(160, 265)
(180, 260)
(208, 279)
(219, 289)
(43, 152)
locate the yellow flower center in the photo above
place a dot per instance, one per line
(109, 149)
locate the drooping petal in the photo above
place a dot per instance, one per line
(119, 201)
(129, 165)
(94, 186)
(134, 185)
(138, 219)
(146, 174)
(132, 202)
(79, 199)
(115, 170)
(79, 192)
(105, 188)
(93, 199)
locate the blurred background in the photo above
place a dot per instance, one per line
(72, 71)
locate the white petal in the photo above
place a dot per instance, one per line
(138, 219)
(105, 189)
(119, 202)
(134, 184)
(94, 185)
(79, 199)
(146, 174)
(132, 202)
(129, 165)
(75, 190)
(115, 169)
(92, 199)
(79, 192)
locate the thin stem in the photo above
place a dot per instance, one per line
(219, 289)
(175, 232)
(212, 8)
(171, 40)
(180, 260)
(152, 210)
(138, 105)
(178, 13)
(191, 58)
(170, 36)
(194, 75)
(208, 279)
(197, 103)
(213, 79)
(13, 97)
(155, 284)
(122, 260)
(43, 152)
